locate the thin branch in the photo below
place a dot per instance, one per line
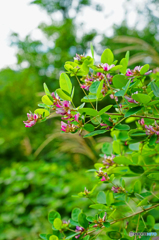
(85, 92)
(138, 116)
(147, 209)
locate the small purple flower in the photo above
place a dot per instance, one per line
(81, 229)
(108, 160)
(78, 57)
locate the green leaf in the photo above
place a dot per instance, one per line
(120, 93)
(106, 224)
(137, 187)
(99, 89)
(47, 92)
(71, 235)
(53, 215)
(89, 127)
(109, 198)
(42, 112)
(137, 133)
(99, 206)
(94, 87)
(65, 83)
(57, 223)
(132, 111)
(150, 220)
(119, 81)
(127, 86)
(46, 100)
(63, 95)
(117, 146)
(86, 237)
(153, 139)
(122, 160)
(82, 220)
(143, 202)
(105, 109)
(101, 197)
(124, 64)
(144, 69)
(53, 237)
(73, 91)
(127, 56)
(97, 132)
(115, 68)
(122, 127)
(96, 120)
(89, 98)
(89, 111)
(92, 50)
(154, 176)
(141, 98)
(107, 56)
(134, 146)
(136, 169)
(75, 213)
(156, 226)
(43, 236)
(155, 89)
(120, 203)
(107, 148)
(114, 235)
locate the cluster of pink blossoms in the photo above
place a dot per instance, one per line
(150, 130)
(118, 189)
(136, 72)
(61, 107)
(64, 108)
(88, 80)
(103, 175)
(32, 119)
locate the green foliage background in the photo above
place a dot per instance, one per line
(33, 182)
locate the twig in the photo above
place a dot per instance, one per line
(84, 92)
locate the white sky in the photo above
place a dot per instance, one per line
(18, 16)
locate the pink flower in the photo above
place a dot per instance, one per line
(129, 73)
(32, 119)
(113, 97)
(136, 72)
(103, 179)
(63, 126)
(76, 117)
(66, 104)
(115, 189)
(85, 87)
(131, 100)
(107, 67)
(142, 121)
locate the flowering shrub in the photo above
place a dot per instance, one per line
(128, 168)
